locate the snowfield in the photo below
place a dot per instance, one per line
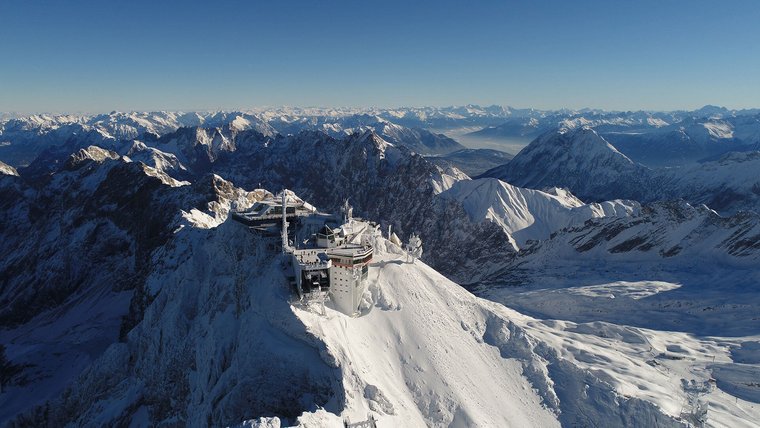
(476, 363)
(420, 356)
(428, 353)
(671, 362)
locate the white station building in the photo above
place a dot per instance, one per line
(331, 257)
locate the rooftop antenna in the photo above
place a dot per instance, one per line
(285, 246)
(348, 212)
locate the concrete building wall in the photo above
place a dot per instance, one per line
(346, 289)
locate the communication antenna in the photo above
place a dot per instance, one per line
(285, 246)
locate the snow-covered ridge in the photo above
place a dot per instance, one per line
(526, 214)
(219, 344)
(415, 138)
(653, 138)
(130, 125)
(670, 229)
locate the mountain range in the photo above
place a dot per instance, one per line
(572, 285)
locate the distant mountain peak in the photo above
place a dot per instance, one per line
(576, 158)
(6, 169)
(710, 110)
(369, 136)
(91, 153)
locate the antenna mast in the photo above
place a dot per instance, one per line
(285, 246)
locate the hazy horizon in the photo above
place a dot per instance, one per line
(89, 56)
(254, 109)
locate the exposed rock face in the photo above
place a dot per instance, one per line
(6, 169)
(96, 215)
(384, 183)
(77, 249)
(663, 230)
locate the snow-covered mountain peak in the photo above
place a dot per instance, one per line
(575, 145)
(91, 153)
(6, 169)
(370, 137)
(240, 123)
(222, 196)
(166, 163)
(583, 138)
(579, 159)
(711, 111)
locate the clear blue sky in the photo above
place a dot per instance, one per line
(98, 56)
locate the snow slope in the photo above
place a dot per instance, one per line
(670, 267)
(526, 214)
(219, 344)
(664, 302)
(419, 357)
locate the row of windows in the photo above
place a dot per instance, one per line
(349, 262)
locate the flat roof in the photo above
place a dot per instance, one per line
(310, 256)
